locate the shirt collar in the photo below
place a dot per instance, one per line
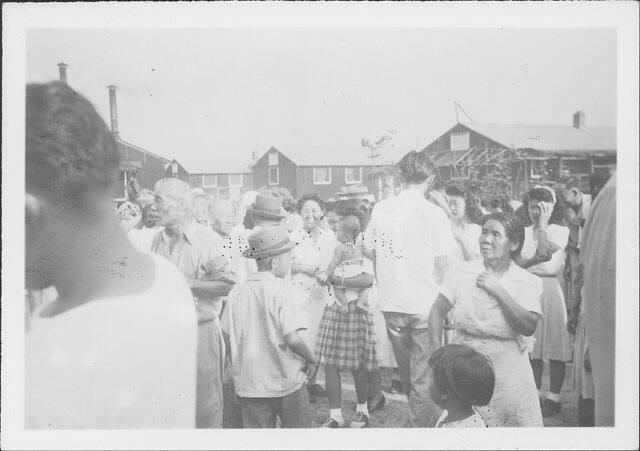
(188, 233)
(514, 272)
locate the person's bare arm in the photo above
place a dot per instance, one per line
(437, 317)
(306, 268)
(209, 289)
(545, 247)
(335, 261)
(521, 320)
(298, 346)
(358, 282)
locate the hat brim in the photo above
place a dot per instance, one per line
(270, 253)
(266, 214)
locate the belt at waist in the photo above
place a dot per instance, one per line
(466, 334)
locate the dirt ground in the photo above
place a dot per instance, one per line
(395, 412)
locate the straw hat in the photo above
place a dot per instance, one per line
(267, 207)
(268, 242)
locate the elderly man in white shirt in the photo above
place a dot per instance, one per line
(409, 238)
(197, 252)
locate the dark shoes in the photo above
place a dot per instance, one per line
(395, 389)
(332, 424)
(550, 408)
(317, 390)
(359, 420)
(374, 405)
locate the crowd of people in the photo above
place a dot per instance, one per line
(183, 310)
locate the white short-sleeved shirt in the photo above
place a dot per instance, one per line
(557, 234)
(318, 252)
(407, 233)
(475, 312)
(196, 253)
(125, 362)
(258, 315)
(471, 235)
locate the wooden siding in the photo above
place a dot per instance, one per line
(327, 191)
(288, 177)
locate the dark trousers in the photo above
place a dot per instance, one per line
(292, 409)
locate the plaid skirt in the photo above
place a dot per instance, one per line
(347, 340)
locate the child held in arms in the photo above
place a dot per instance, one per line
(260, 324)
(347, 262)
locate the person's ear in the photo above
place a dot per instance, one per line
(514, 246)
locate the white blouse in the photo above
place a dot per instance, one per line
(475, 312)
(557, 234)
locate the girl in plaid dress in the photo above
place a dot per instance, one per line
(346, 342)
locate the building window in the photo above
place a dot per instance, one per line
(274, 176)
(459, 141)
(322, 175)
(235, 179)
(273, 158)
(353, 174)
(536, 169)
(209, 180)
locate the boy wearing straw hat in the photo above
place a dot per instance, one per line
(260, 324)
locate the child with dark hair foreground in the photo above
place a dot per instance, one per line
(260, 323)
(462, 378)
(347, 262)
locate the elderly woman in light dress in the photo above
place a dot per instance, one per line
(496, 309)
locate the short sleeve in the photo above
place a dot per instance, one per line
(449, 284)
(529, 293)
(559, 236)
(291, 316)
(474, 238)
(442, 238)
(369, 236)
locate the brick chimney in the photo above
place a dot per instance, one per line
(62, 69)
(578, 119)
(113, 107)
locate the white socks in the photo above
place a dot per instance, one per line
(336, 414)
(362, 408)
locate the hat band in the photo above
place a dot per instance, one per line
(270, 211)
(272, 248)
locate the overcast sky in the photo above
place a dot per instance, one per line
(197, 93)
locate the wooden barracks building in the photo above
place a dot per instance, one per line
(317, 169)
(534, 152)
